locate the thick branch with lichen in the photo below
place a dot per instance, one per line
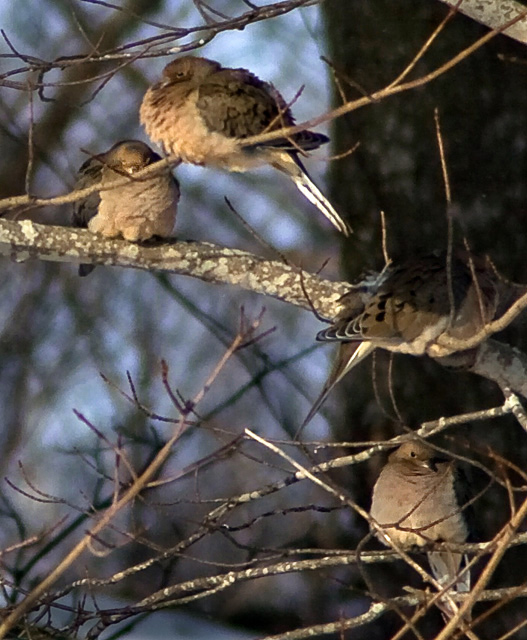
(210, 263)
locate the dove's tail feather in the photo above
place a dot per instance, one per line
(448, 568)
(290, 164)
(349, 354)
(85, 269)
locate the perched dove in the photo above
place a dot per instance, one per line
(201, 112)
(411, 305)
(419, 499)
(138, 210)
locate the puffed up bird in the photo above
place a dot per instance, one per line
(201, 112)
(419, 499)
(140, 209)
(410, 306)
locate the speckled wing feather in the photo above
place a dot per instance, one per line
(416, 301)
(88, 175)
(412, 298)
(237, 104)
(447, 565)
(464, 494)
(237, 108)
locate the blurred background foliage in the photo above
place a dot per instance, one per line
(58, 331)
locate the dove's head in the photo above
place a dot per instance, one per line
(129, 156)
(189, 68)
(417, 456)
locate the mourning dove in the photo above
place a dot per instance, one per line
(411, 305)
(419, 499)
(201, 112)
(138, 210)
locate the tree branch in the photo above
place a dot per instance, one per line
(494, 14)
(218, 265)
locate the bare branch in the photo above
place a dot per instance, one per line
(493, 14)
